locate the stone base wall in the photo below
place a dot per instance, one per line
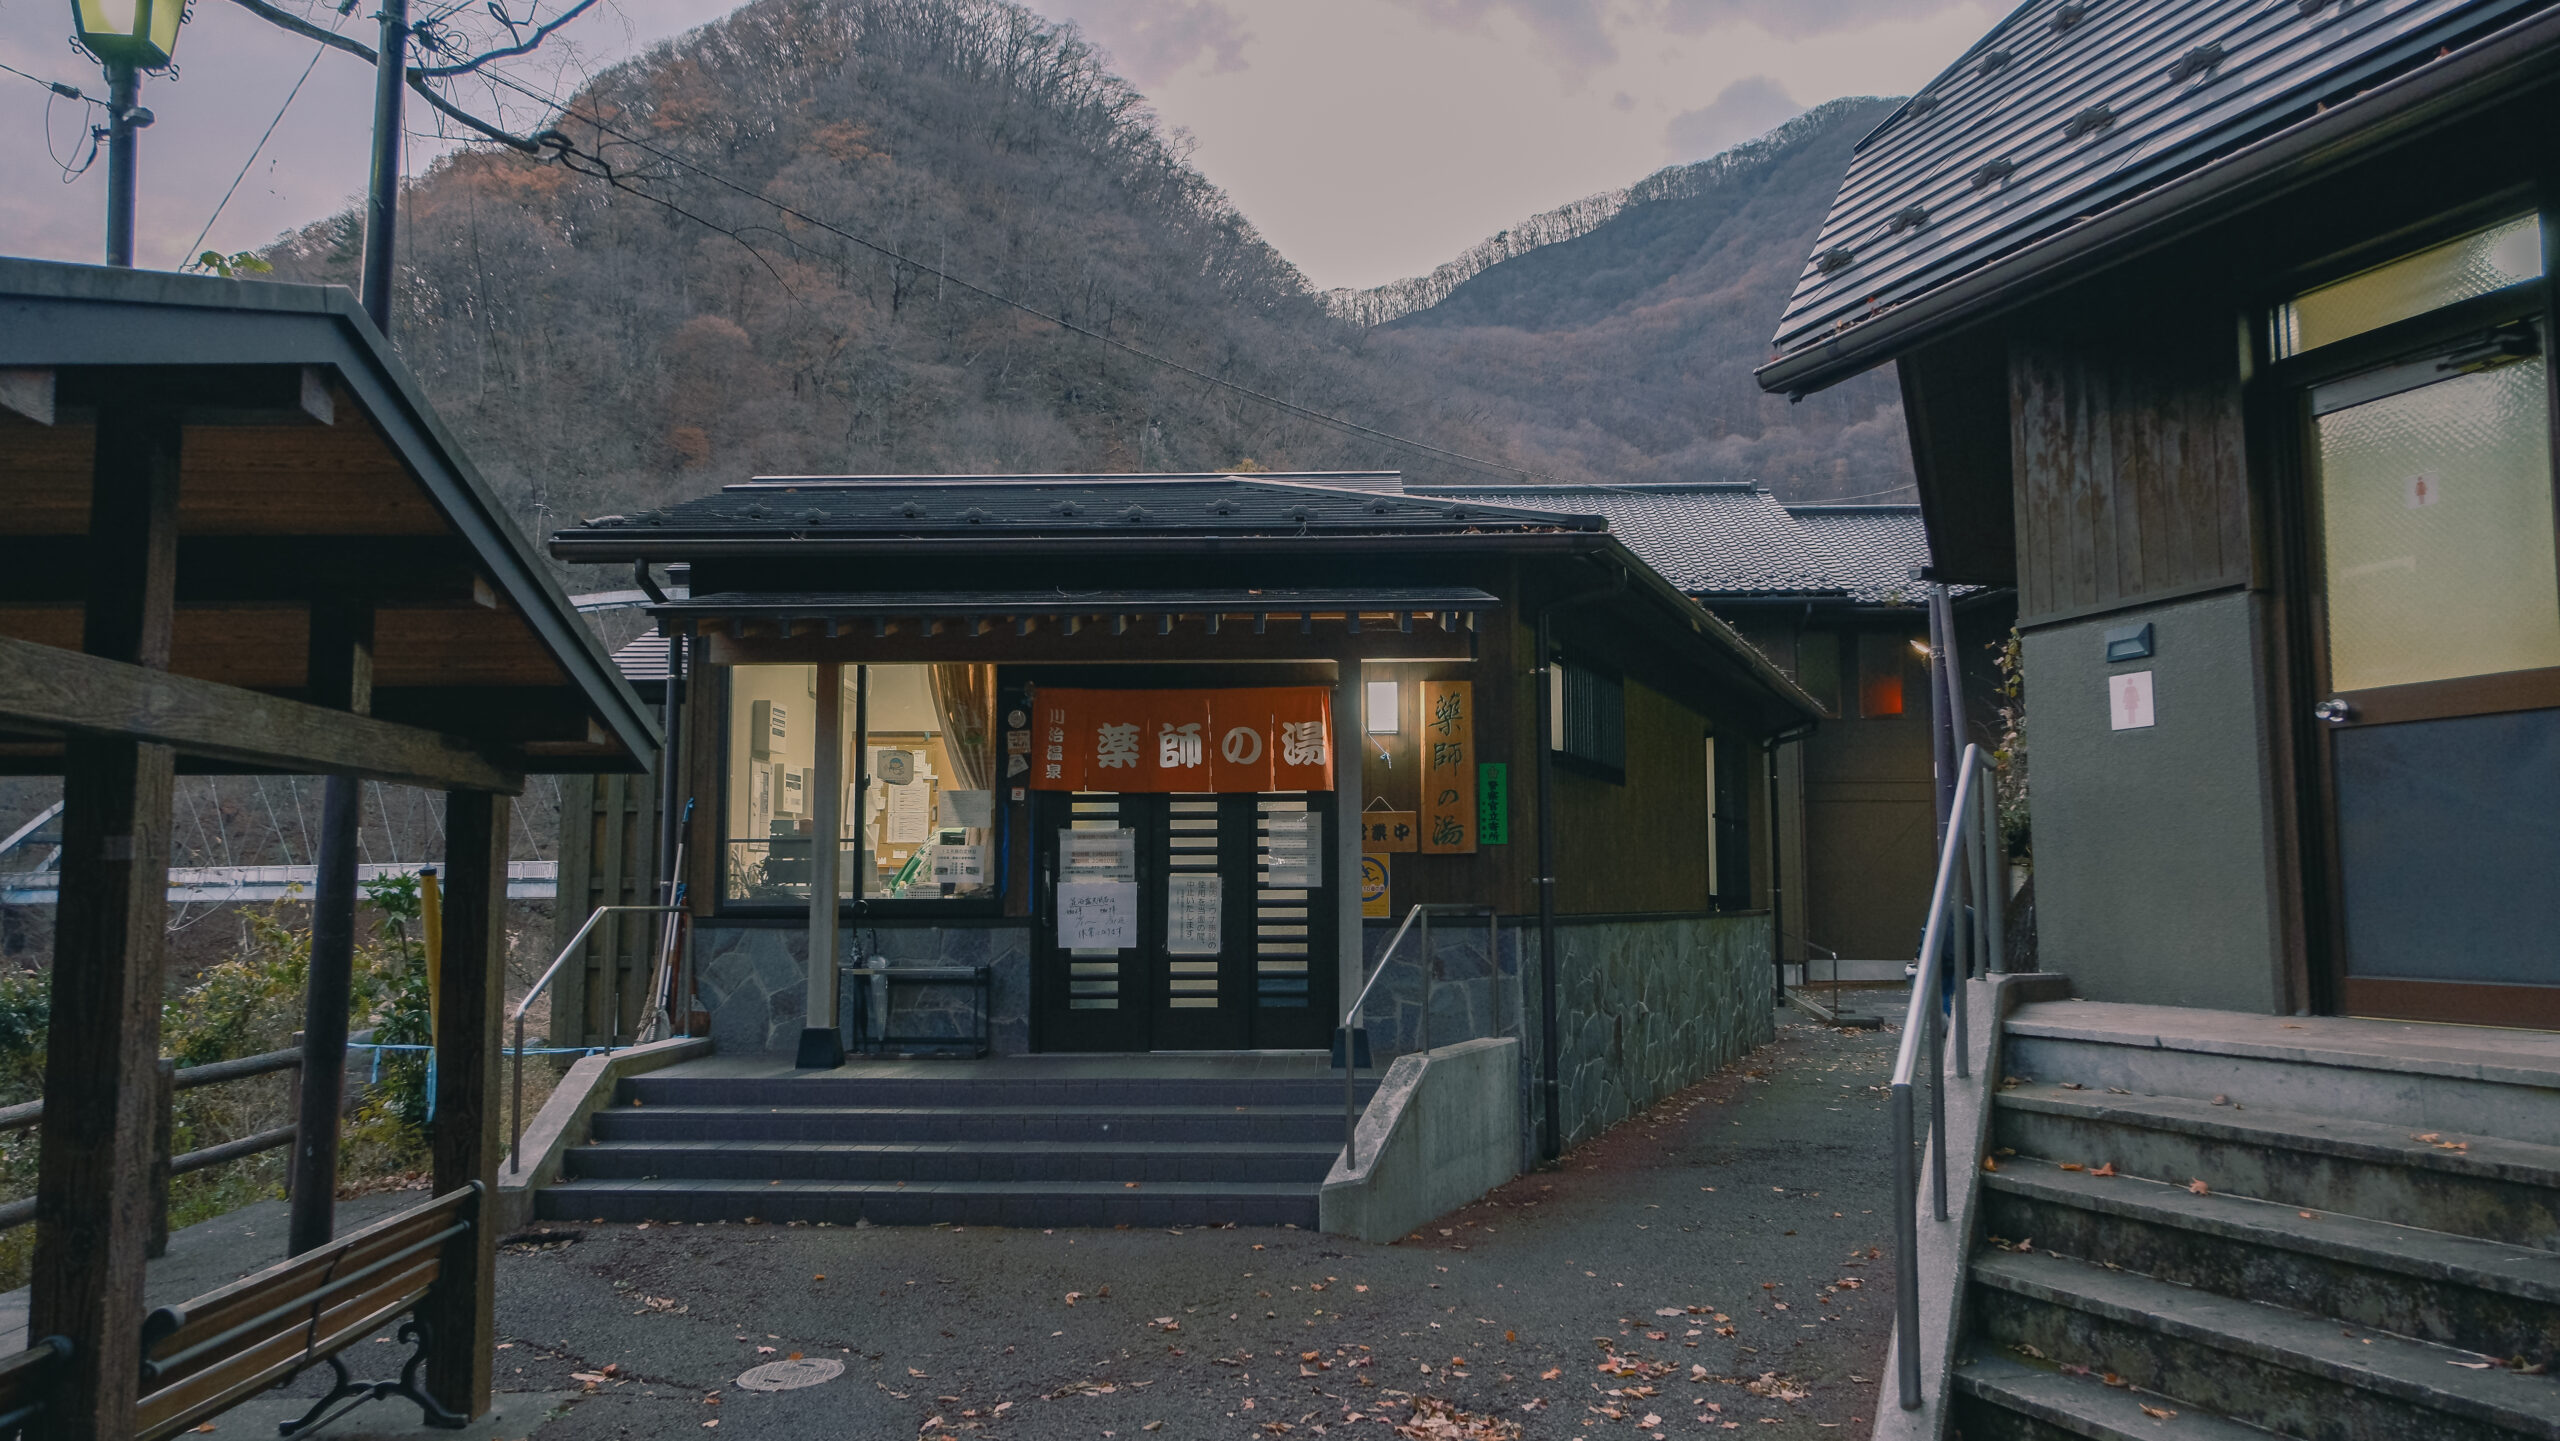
(754, 982)
(1649, 1006)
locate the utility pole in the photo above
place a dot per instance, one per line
(341, 675)
(124, 117)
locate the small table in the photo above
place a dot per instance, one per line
(979, 978)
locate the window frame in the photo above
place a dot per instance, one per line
(1561, 712)
(989, 906)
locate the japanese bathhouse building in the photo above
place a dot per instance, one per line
(1829, 593)
(2223, 334)
(1172, 754)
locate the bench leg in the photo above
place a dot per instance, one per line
(347, 1386)
(436, 1416)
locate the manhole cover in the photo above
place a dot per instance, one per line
(790, 1375)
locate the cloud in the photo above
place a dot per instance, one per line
(1751, 106)
(1151, 40)
(1793, 19)
(1577, 31)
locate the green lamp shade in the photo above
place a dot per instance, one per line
(142, 33)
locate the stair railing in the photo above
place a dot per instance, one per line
(1351, 1030)
(1964, 930)
(613, 1027)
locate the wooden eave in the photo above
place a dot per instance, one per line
(312, 471)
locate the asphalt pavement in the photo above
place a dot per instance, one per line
(1712, 1266)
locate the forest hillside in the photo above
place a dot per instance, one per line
(688, 300)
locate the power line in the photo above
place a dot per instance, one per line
(1354, 427)
(67, 92)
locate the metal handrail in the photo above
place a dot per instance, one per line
(1421, 911)
(515, 1138)
(1966, 930)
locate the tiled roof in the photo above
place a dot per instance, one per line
(1733, 539)
(2069, 108)
(1869, 550)
(869, 507)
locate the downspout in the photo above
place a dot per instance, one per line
(1777, 863)
(1550, 1032)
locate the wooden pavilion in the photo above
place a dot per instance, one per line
(234, 538)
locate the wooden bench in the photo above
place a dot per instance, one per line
(227, 1345)
(26, 1383)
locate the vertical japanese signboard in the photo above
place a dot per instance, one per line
(1493, 803)
(1448, 745)
(1265, 739)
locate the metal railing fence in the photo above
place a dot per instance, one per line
(1963, 930)
(613, 1026)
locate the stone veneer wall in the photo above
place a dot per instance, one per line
(1649, 1006)
(754, 982)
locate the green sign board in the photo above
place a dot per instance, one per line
(1493, 804)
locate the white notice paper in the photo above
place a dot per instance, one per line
(910, 814)
(2129, 700)
(1098, 855)
(966, 808)
(962, 867)
(1292, 840)
(1097, 915)
(1192, 911)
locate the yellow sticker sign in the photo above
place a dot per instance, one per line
(1373, 886)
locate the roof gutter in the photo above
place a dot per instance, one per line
(2308, 151)
(587, 548)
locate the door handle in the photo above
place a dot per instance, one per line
(2336, 712)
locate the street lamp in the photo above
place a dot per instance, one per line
(128, 37)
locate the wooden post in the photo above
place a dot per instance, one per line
(1350, 734)
(468, 1135)
(821, 1035)
(164, 1135)
(341, 677)
(572, 1021)
(102, 1056)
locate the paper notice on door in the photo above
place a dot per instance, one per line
(910, 814)
(1097, 915)
(1193, 907)
(1291, 841)
(1101, 855)
(960, 866)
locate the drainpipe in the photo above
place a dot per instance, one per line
(1777, 863)
(1550, 1033)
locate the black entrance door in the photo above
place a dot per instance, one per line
(1225, 953)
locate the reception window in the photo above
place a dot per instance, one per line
(918, 771)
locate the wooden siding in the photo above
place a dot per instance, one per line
(2131, 478)
(1642, 846)
(608, 857)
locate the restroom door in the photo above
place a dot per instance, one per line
(2437, 620)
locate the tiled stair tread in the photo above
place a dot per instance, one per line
(2520, 1271)
(2412, 1371)
(2486, 1157)
(2086, 1406)
(1240, 1149)
(587, 1187)
(2507, 1057)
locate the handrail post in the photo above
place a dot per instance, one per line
(1429, 965)
(1906, 1249)
(1996, 863)
(515, 1132)
(1937, 1113)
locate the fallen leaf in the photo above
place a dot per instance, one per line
(764, 1350)
(2156, 1413)
(1075, 1296)
(2112, 1379)
(1989, 1164)
(2470, 1365)
(2199, 1188)
(2108, 1169)
(1551, 1373)
(2073, 1166)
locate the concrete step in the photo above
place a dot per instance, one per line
(678, 1088)
(2001, 1399)
(2492, 1188)
(1237, 1161)
(2460, 1291)
(1208, 1124)
(972, 1203)
(2283, 1370)
(2476, 1080)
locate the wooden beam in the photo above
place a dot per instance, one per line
(53, 691)
(460, 1313)
(102, 1054)
(340, 669)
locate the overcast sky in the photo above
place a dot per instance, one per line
(1369, 139)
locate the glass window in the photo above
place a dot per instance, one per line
(2435, 508)
(773, 751)
(1885, 661)
(2477, 264)
(927, 815)
(919, 830)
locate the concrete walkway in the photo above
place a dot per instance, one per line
(1752, 1196)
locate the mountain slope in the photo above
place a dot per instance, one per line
(1627, 349)
(651, 321)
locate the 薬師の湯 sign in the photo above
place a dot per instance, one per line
(1276, 738)
(1448, 743)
